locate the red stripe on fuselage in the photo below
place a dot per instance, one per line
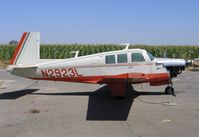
(142, 78)
(18, 48)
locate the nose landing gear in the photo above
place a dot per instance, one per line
(170, 90)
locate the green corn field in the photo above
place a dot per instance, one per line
(63, 51)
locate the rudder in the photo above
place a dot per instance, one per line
(27, 51)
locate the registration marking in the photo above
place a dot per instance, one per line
(60, 73)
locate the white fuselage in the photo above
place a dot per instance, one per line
(94, 65)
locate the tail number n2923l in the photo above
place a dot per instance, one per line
(60, 73)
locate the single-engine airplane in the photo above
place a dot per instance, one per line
(117, 69)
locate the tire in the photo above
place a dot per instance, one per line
(169, 90)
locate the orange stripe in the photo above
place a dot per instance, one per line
(18, 48)
(141, 78)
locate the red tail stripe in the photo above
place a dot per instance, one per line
(18, 48)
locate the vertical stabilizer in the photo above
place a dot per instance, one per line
(27, 51)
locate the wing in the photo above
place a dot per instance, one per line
(124, 78)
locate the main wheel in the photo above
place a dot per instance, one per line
(169, 90)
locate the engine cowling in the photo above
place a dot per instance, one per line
(174, 66)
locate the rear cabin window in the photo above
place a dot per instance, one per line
(122, 58)
(137, 57)
(110, 59)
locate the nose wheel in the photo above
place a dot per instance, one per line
(169, 90)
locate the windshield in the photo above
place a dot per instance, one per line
(151, 56)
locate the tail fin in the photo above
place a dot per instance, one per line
(27, 51)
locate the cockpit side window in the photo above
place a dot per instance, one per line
(110, 59)
(137, 57)
(122, 58)
(150, 56)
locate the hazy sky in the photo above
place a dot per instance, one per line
(102, 21)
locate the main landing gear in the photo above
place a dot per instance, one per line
(170, 90)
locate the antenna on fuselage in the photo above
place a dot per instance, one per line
(76, 53)
(125, 44)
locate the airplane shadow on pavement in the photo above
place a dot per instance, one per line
(16, 94)
(101, 106)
